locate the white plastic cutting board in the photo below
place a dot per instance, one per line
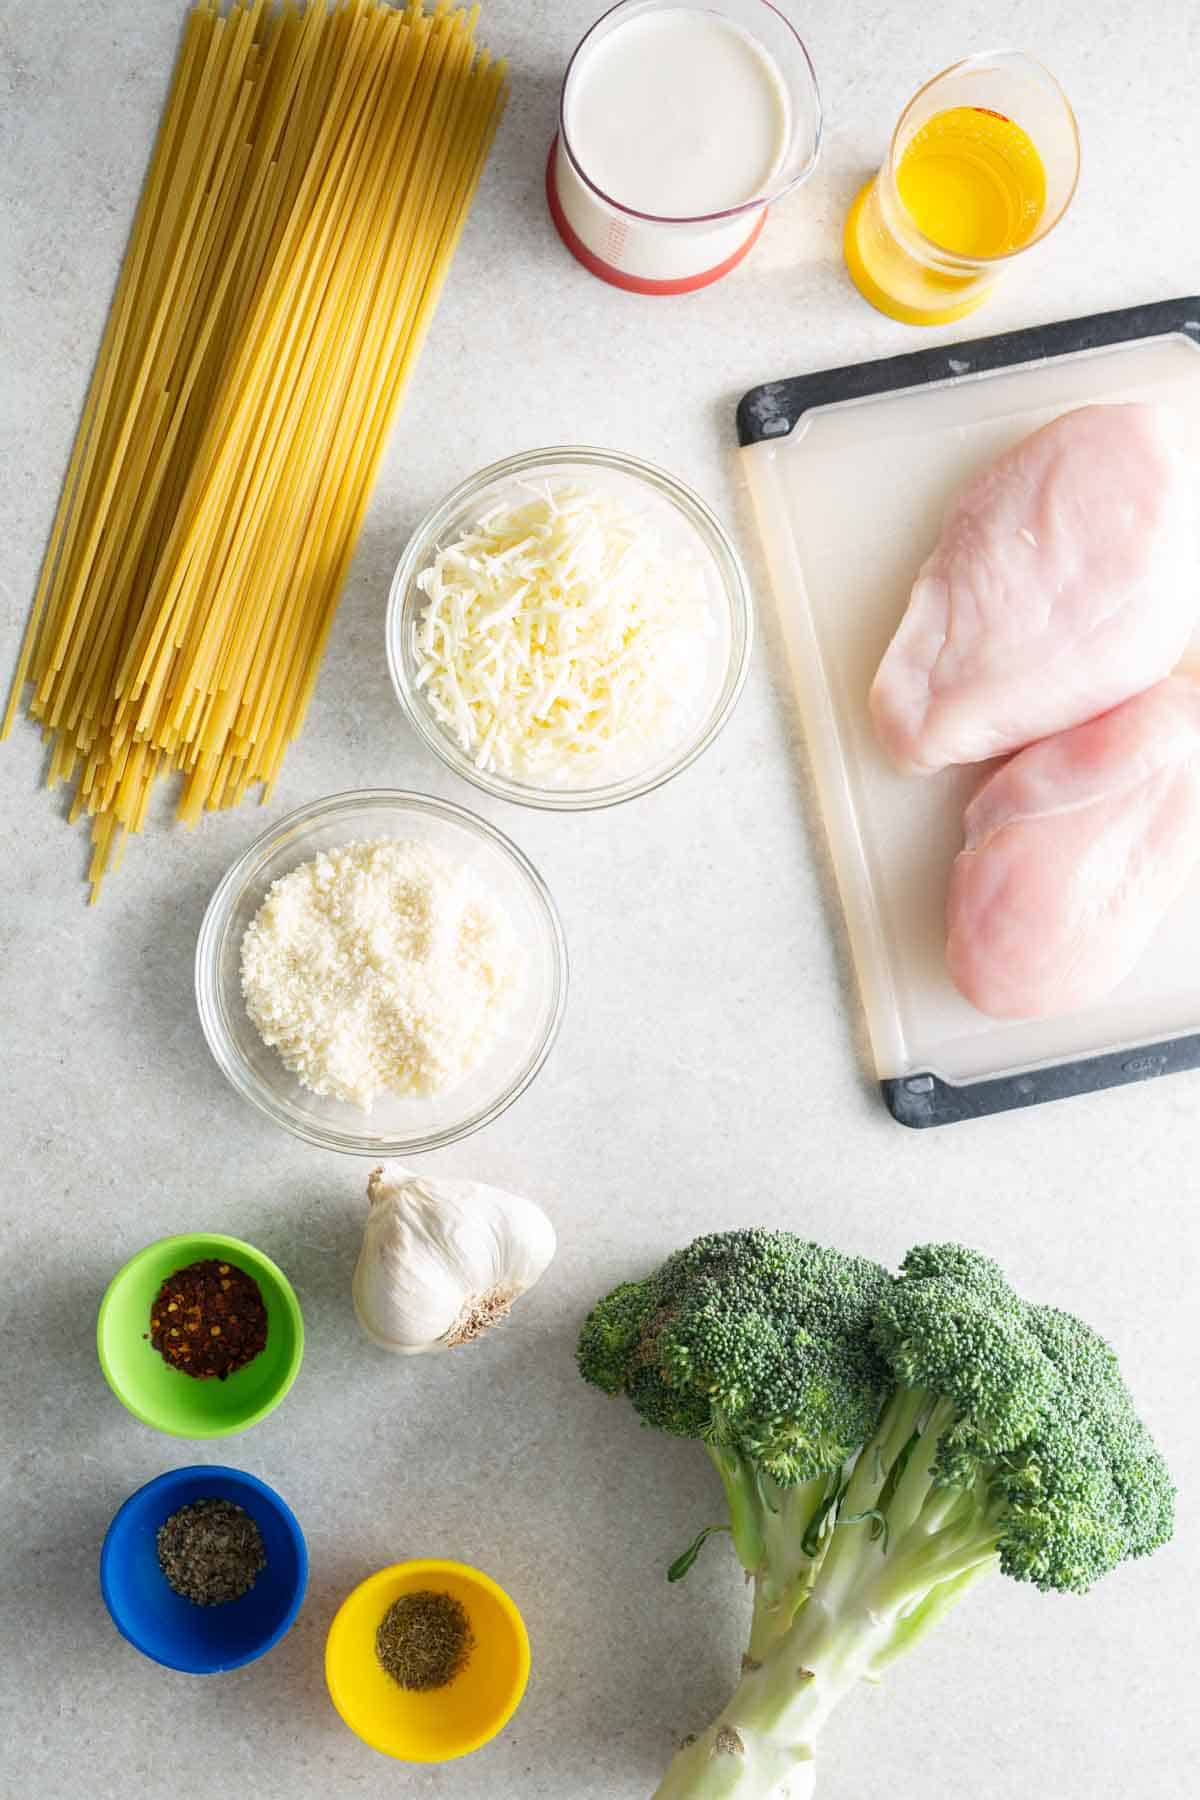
(849, 503)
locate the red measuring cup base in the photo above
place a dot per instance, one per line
(635, 284)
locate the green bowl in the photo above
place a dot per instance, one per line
(168, 1399)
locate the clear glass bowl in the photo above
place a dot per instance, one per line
(681, 518)
(395, 1126)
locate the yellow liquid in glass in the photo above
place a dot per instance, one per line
(973, 181)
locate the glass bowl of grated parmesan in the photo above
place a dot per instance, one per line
(381, 973)
(570, 628)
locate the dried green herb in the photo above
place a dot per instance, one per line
(424, 1640)
(211, 1551)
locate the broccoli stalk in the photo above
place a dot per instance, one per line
(1002, 1439)
(779, 1536)
(866, 1606)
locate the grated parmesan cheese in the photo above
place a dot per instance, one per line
(379, 968)
(561, 643)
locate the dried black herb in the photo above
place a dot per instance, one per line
(424, 1640)
(211, 1551)
(208, 1319)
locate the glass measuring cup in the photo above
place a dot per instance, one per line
(998, 197)
(655, 252)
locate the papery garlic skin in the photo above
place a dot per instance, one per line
(442, 1261)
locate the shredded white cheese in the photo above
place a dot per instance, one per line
(562, 644)
(379, 968)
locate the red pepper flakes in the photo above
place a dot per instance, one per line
(209, 1319)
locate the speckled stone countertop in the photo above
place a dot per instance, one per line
(709, 1073)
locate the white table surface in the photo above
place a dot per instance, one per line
(708, 1074)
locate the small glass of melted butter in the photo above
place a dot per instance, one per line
(982, 165)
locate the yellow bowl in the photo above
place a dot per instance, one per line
(447, 1722)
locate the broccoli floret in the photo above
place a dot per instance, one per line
(1006, 1441)
(752, 1340)
(1040, 1426)
(1090, 1490)
(759, 1345)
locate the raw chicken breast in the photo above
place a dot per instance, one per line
(1064, 581)
(1074, 852)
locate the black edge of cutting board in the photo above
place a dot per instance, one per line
(773, 409)
(923, 1100)
(770, 412)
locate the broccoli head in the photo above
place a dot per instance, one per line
(885, 1444)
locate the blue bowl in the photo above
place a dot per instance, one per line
(201, 1640)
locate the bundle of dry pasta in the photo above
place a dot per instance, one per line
(312, 173)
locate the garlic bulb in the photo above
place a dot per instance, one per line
(442, 1261)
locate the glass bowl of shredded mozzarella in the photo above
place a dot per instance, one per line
(569, 628)
(381, 973)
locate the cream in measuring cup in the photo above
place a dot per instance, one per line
(678, 126)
